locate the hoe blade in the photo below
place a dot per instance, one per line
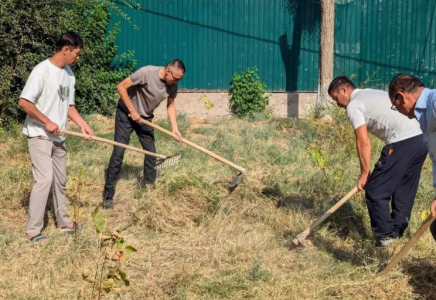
(236, 180)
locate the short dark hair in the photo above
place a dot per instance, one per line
(177, 64)
(70, 39)
(404, 83)
(338, 82)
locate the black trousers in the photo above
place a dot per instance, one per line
(124, 126)
(395, 180)
(433, 230)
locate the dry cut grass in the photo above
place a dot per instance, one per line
(197, 240)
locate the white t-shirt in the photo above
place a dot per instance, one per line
(373, 108)
(51, 89)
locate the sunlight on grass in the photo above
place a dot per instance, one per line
(195, 239)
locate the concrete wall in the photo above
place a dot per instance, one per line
(284, 105)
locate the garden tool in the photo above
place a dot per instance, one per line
(241, 170)
(425, 225)
(161, 162)
(299, 239)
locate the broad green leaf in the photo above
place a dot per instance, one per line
(123, 276)
(129, 249)
(99, 224)
(94, 212)
(112, 271)
(120, 244)
(109, 282)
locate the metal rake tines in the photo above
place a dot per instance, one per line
(168, 162)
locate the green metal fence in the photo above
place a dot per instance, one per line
(374, 40)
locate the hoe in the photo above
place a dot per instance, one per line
(299, 239)
(162, 160)
(425, 225)
(241, 170)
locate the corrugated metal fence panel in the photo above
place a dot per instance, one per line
(374, 40)
(377, 39)
(216, 38)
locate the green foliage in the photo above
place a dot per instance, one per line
(100, 69)
(28, 34)
(248, 94)
(98, 220)
(28, 31)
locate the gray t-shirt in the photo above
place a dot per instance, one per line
(148, 90)
(373, 108)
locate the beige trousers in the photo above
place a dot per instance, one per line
(49, 171)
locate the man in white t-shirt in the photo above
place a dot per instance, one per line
(48, 100)
(396, 174)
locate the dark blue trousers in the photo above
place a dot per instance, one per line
(394, 181)
(124, 126)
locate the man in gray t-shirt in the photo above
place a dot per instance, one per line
(396, 174)
(140, 94)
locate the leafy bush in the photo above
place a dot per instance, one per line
(28, 34)
(100, 69)
(248, 94)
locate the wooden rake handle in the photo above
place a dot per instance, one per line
(204, 150)
(413, 240)
(321, 219)
(99, 139)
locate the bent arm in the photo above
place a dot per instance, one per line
(172, 116)
(31, 109)
(124, 95)
(74, 115)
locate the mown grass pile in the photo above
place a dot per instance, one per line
(195, 239)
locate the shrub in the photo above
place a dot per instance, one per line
(28, 31)
(100, 69)
(28, 34)
(248, 94)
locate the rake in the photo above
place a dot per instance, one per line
(241, 170)
(162, 161)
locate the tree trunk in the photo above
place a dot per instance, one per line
(326, 47)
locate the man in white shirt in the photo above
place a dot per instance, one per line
(48, 100)
(396, 174)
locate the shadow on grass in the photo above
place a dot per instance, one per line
(362, 253)
(346, 223)
(422, 273)
(288, 202)
(128, 170)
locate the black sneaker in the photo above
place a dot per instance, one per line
(108, 204)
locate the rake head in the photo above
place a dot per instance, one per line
(236, 180)
(167, 162)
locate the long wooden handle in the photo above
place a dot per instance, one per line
(99, 139)
(321, 219)
(425, 225)
(204, 150)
